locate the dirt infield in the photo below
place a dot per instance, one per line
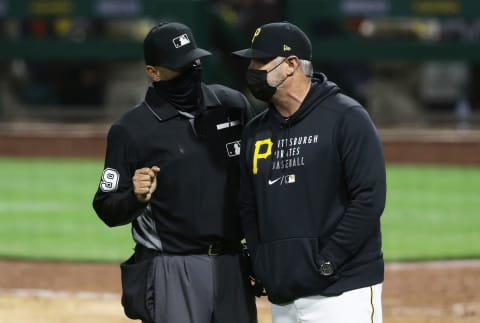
(442, 292)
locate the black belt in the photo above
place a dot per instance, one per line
(216, 248)
(221, 248)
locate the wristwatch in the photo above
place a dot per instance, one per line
(326, 268)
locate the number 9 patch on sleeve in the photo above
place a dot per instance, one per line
(109, 182)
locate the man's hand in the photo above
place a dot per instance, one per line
(257, 287)
(255, 284)
(145, 183)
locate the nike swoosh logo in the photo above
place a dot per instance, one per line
(271, 182)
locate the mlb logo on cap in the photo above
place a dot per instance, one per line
(181, 41)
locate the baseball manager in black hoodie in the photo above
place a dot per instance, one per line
(312, 187)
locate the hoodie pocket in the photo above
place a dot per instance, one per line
(289, 269)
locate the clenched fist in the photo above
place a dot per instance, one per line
(145, 183)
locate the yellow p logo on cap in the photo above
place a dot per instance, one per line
(257, 32)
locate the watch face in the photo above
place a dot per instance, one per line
(326, 268)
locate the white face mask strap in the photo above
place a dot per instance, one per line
(268, 71)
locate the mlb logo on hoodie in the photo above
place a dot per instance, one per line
(290, 179)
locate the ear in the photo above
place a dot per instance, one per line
(153, 73)
(293, 64)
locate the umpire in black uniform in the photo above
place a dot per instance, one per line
(171, 171)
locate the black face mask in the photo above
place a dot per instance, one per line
(184, 92)
(258, 85)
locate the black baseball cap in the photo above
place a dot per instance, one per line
(171, 45)
(278, 39)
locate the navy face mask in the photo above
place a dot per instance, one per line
(258, 85)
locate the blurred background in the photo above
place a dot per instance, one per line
(69, 68)
(413, 63)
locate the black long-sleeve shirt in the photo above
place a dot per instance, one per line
(196, 200)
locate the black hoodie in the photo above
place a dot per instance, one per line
(313, 189)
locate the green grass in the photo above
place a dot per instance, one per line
(432, 213)
(46, 213)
